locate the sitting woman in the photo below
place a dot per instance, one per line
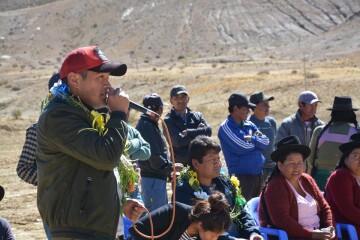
(207, 220)
(291, 200)
(203, 177)
(343, 187)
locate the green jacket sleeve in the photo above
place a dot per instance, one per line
(70, 130)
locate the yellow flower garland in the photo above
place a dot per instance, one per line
(191, 177)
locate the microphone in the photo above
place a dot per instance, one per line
(142, 109)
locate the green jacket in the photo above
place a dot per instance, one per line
(77, 190)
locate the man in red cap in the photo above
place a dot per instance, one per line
(77, 151)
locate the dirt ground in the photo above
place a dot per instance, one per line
(209, 87)
(19, 203)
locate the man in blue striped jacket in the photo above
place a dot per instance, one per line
(242, 142)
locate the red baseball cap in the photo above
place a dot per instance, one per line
(90, 58)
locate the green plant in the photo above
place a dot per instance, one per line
(312, 75)
(264, 72)
(3, 82)
(16, 113)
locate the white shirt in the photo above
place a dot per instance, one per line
(307, 209)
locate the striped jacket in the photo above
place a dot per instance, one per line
(241, 156)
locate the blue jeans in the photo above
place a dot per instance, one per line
(153, 193)
(136, 195)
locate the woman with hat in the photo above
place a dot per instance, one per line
(343, 187)
(326, 140)
(291, 200)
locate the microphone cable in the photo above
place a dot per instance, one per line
(152, 236)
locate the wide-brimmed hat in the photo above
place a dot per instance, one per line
(289, 143)
(259, 97)
(90, 58)
(342, 104)
(2, 193)
(240, 100)
(354, 142)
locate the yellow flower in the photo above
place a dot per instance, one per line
(193, 178)
(98, 122)
(235, 181)
(193, 174)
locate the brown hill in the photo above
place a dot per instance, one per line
(162, 32)
(213, 47)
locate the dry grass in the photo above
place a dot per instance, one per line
(209, 89)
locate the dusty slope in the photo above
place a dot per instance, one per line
(164, 43)
(162, 31)
(209, 86)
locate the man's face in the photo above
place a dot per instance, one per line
(180, 102)
(262, 109)
(242, 112)
(308, 111)
(94, 88)
(210, 166)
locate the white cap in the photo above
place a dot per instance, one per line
(308, 97)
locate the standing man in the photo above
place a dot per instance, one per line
(267, 125)
(303, 123)
(242, 144)
(154, 172)
(77, 151)
(183, 124)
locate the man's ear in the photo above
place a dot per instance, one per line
(195, 164)
(73, 80)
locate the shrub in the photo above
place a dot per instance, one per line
(3, 82)
(16, 113)
(312, 75)
(264, 72)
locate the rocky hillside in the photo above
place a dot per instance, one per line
(40, 33)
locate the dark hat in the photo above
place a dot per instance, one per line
(240, 100)
(308, 97)
(177, 90)
(153, 101)
(285, 144)
(354, 142)
(259, 97)
(54, 79)
(2, 193)
(90, 58)
(342, 104)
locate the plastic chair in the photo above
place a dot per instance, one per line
(350, 229)
(127, 225)
(252, 207)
